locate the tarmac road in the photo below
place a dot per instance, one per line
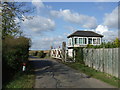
(52, 74)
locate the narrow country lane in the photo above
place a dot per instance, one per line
(52, 74)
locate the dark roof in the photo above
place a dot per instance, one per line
(85, 34)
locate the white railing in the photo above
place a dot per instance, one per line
(56, 53)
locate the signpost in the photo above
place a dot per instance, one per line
(24, 67)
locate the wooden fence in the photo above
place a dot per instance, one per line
(104, 59)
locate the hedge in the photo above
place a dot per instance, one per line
(15, 51)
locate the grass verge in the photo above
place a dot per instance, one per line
(22, 79)
(95, 74)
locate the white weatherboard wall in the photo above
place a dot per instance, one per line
(104, 60)
(70, 52)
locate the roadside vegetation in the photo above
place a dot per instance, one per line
(22, 79)
(40, 54)
(113, 44)
(15, 46)
(95, 74)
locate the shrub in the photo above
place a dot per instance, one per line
(117, 42)
(35, 53)
(32, 53)
(79, 55)
(41, 54)
(14, 52)
(89, 46)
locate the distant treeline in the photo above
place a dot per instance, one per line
(40, 54)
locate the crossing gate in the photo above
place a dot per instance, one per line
(60, 53)
(56, 53)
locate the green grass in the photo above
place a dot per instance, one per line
(95, 74)
(22, 80)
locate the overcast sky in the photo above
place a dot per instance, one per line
(54, 21)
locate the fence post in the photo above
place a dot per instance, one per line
(51, 51)
(64, 51)
(103, 59)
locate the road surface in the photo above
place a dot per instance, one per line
(52, 74)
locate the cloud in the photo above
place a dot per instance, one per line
(17, 20)
(76, 18)
(46, 42)
(38, 3)
(109, 28)
(39, 24)
(41, 8)
(111, 19)
(109, 35)
(101, 29)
